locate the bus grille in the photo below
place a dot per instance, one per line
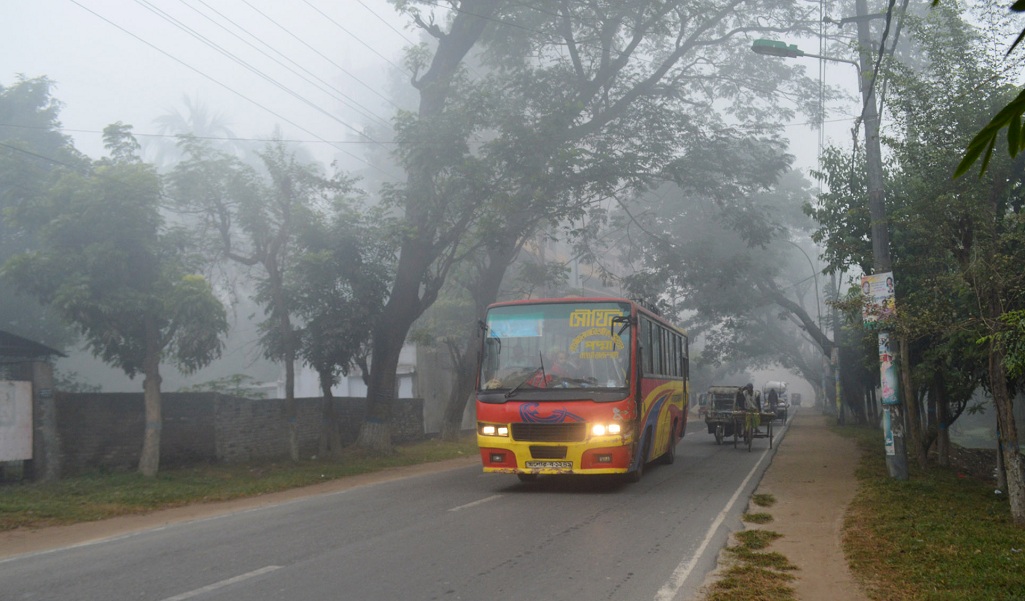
(547, 452)
(571, 432)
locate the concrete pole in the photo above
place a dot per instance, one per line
(896, 463)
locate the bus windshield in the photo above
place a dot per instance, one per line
(556, 345)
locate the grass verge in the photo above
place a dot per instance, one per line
(99, 496)
(938, 536)
(751, 573)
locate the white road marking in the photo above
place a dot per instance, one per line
(222, 584)
(682, 571)
(475, 503)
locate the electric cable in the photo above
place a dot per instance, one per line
(320, 83)
(223, 51)
(223, 85)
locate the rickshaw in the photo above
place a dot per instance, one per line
(751, 425)
(720, 412)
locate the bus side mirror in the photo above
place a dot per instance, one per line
(625, 320)
(492, 350)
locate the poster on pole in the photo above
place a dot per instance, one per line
(879, 302)
(888, 371)
(891, 450)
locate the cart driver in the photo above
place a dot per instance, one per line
(752, 405)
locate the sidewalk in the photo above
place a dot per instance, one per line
(812, 479)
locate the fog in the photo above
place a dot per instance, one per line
(316, 73)
(312, 70)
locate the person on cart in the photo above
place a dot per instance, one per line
(750, 402)
(773, 400)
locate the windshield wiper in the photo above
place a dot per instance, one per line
(525, 380)
(544, 378)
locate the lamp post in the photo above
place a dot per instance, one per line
(783, 50)
(896, 451)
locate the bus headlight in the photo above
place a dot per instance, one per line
(603, 429)
(492, 430)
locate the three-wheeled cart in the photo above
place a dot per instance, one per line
(719, 410)
(749, 425)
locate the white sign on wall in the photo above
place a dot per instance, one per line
(15, 420)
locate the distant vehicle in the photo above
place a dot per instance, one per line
(783, 404)
(719, 415)
(795, 399)
(579, 386)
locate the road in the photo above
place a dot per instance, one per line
(459, 535)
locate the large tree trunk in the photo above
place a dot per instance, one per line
(942, 433)
(416, 287)
(388, 336)
(1013, 461)
(911, 403)
(462, 392)
(149, 459)
(280, 309)
(501, 253)
(330, 444)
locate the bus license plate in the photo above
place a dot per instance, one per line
(549, 465)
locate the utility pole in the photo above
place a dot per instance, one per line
(896, 454)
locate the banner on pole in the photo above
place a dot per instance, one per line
(879, 304)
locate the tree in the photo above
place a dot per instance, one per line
(254, 220)
(33, 154)
(723, 241)
(339, 284)
(957, 242)
(1009, 117)
(109, 266)
(587, 87)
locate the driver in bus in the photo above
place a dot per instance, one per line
(563, 366)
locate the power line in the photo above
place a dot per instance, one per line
(320, 54)
(323, 85)
(357, 38)
(214, 138)
(389, 25)
(222, 84)
(220, 49)
(38, 156)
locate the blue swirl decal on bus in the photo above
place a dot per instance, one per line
(530, 414)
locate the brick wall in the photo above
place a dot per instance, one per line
(104, 430)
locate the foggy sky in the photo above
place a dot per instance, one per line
(122, 60)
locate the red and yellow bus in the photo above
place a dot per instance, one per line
(579, 386)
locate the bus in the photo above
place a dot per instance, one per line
(579, 386)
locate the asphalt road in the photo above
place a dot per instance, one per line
(457, 535)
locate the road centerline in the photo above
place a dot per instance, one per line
(223, 583)
(475, 503)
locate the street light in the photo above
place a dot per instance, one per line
(784, 50)
(896, 450)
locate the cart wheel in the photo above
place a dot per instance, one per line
(770, 435)
(719, 428)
